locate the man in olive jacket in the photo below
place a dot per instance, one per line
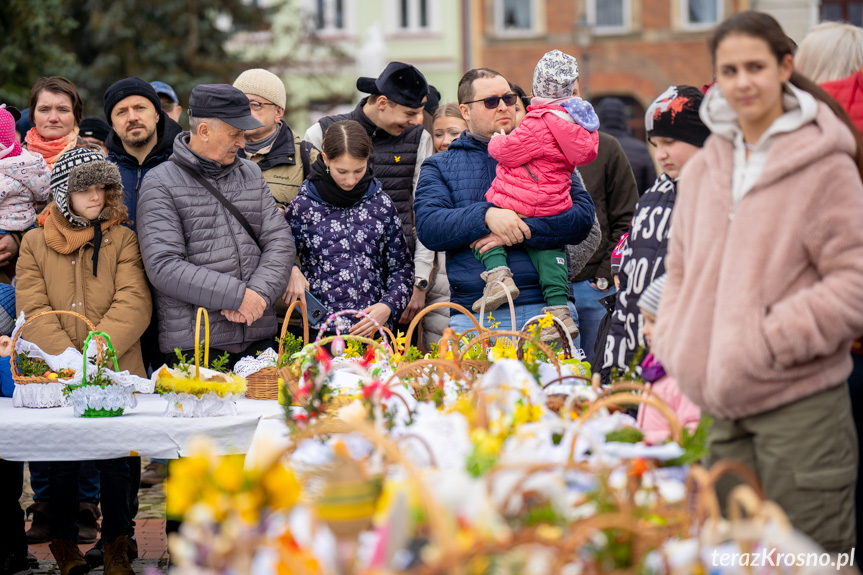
(196, 252)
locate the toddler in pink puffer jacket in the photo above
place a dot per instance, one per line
(24, 178)
(535, 163)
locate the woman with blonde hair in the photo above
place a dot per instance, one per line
(830, 51)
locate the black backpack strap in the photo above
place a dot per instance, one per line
(224, 201)
(306, 157)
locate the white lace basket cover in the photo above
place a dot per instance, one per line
(189, 405)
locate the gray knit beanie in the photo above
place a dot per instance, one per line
(77, 170)
(555, 75)
(650, 298)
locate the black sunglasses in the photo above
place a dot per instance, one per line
(494, 101)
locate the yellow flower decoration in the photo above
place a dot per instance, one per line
(526, 413)
(503, 349)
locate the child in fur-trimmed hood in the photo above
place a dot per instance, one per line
(84, 260)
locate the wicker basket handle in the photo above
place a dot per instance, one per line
(562, 333)
(417, 367)
(485, 335)
(14, 357)
(564, 378)
(509, 301)
(441, 304)
(305, 317)
(348, 337)
(202, 311)
(100, 356)
(355, 312)
(629, 399)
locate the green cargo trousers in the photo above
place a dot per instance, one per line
(550, 266)
(805, 454)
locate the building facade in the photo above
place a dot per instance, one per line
(632, 49)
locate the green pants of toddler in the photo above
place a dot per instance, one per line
(550, 266)
(805, 455)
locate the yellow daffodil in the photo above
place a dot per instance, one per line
(281, 486)
(401, 341)
(485, 442)
(503, 349)
(228, 474)
(527, 413)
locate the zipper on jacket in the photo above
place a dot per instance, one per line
(138, 185)
(239, 265)
(535, 179)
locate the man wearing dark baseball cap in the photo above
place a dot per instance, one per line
(210, 232)
(170, 101)
(392, 115)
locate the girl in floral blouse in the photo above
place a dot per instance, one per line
(350, 245)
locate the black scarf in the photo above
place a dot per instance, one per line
(330, 191)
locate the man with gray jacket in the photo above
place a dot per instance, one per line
(211, 235)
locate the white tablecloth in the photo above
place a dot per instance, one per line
(56, 435)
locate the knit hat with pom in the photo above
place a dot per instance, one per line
(77, 170)
(9, 146)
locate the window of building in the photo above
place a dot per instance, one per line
(700, 13)
(414, 14)
(609, 16)
(850, 11)
(329, 15)
(515, 16)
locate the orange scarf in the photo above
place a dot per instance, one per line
(50, 149)
(63, 237)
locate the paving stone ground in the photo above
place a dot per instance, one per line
(149, 531)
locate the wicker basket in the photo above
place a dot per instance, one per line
(264, 383)
(17, 376)
(103, 341)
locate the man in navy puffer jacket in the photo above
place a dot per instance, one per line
(452, 214)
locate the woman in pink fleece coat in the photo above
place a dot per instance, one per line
(535, 164)
(765, 273)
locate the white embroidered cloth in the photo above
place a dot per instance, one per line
(39, 395)
(208, 405)
(249, 365)
(57, 435)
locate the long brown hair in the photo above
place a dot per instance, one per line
(347, 137)
(115, 207)
(765, 27)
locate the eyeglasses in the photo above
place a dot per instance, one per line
(494, 101)
(258, 105)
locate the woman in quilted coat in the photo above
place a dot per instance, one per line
(350, 244)
(535, 163)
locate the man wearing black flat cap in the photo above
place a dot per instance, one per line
(392, 115)
(211, 235)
